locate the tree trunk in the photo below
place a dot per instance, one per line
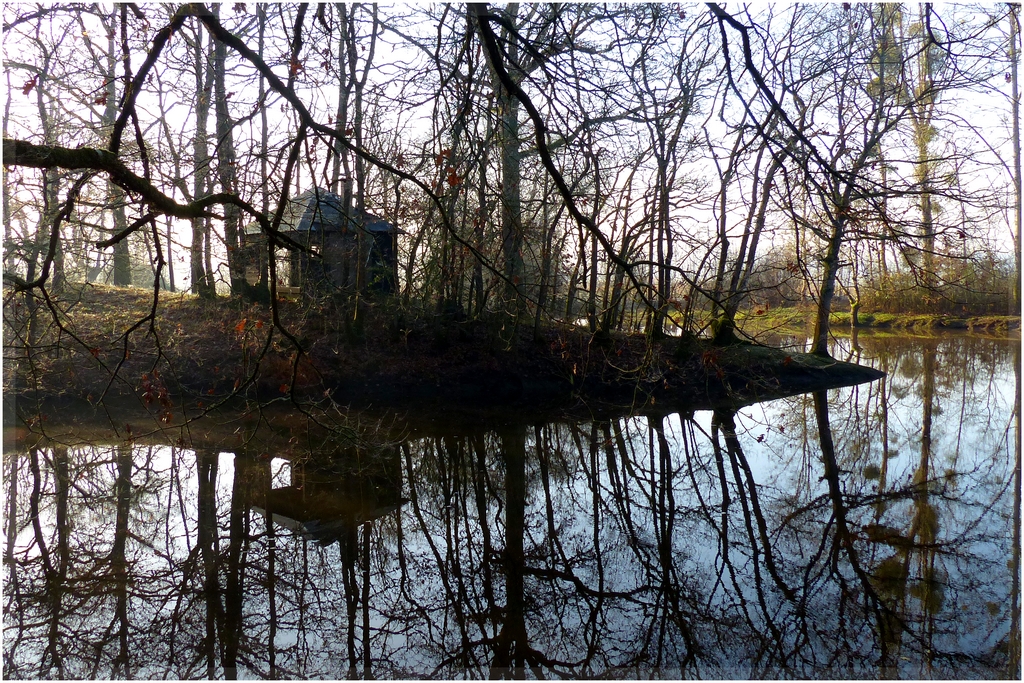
(478, 227)
(923, 132)
(226, 169)
(341, 113)
(592, 287)
(511, 171)
(830, 265)
(202, 283)
(1015, 103)
(661, 237)
(263, 253)
(8, 251)
(854, 291)
(358, 81)
(51, 184)
(747, 253)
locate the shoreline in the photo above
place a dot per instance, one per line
(732, 377)
(225, 353)
(717, 377)
(782, 319)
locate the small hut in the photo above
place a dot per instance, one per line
(326, 506)
(317, 220)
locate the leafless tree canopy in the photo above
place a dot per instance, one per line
(632, 167)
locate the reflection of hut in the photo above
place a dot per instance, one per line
(317, 219)
(327, 506)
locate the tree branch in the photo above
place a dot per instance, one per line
(22, 153)
(490, 43)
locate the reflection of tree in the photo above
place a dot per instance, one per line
(206, 536)
(910, 562)
(1013, 668)
(748, 498)
(55, 569)
(246, 474)
(325, 505)
(760, 545)
(512, 651)
(888, 627)
(886, 454)
(12, 583)
(547, 451)
(664, 508)
(436, 504)
(82, 572)
(118, 559)
(661, 546)
(925, 525)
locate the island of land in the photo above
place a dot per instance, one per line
(180, 354)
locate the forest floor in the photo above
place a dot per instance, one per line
(197, 354)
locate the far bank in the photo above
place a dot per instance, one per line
(758, 321)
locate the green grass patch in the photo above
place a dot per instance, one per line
(800, 320)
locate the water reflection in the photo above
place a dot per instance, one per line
(865, 532)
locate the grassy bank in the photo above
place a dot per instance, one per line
(799, 320)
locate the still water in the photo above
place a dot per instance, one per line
(864, 532)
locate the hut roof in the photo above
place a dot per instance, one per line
(320, 211)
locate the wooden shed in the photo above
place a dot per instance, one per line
(317, 220)
(326, 507)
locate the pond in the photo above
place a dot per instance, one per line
(865, 532)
